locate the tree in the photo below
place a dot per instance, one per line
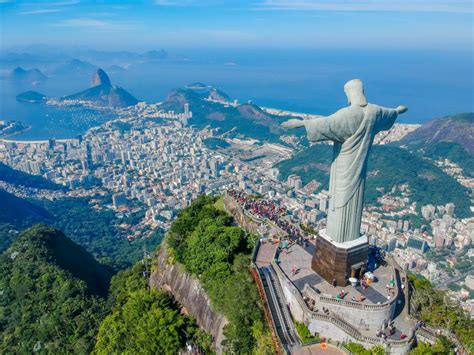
(146, 324)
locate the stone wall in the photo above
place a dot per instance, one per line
(239, 215)
(331, 327)
(189, 293)
(249, 222)
(368, 317)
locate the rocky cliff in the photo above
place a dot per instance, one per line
(103, 94)
(189, 293)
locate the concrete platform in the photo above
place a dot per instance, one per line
(266, 253)
(299, 259)
(317, 350)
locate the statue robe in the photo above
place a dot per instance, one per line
(352, 129)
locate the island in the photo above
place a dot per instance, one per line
(31, 97)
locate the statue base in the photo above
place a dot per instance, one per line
(337, 262)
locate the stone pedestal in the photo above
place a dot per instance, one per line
(339, 261)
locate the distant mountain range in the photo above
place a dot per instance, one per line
(74, 67)
(102, 93)
(20, 75)
(60, 61)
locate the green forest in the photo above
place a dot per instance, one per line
(57, 299)
(204, 239)
(97, 231)
(145, 321)
(52, 295)
(435, 308)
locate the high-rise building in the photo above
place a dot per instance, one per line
(119, 200)
(428, 212)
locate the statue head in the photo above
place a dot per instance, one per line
(354, 90)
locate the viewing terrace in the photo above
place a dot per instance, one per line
(296, 263)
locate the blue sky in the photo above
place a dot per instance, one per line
(385, 24)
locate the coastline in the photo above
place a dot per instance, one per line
(405, 127)
(28, 128)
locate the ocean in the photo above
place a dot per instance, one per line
(430, 83)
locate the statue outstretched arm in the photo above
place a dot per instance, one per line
(388, 116)
(336, 127)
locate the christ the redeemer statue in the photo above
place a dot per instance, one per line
(352, 130)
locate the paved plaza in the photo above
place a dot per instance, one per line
(316, 349)
(266, 253)
(298, 258)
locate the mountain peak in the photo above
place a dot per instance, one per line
(26, 75)
(100, 77)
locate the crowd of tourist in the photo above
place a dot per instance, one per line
(263, 208)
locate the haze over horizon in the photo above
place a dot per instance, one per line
(421, 24)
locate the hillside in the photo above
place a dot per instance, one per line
(17, 211)
(95, 230)
(98, 231)
(388, 166)
(214, 250)
(145, 320)
(247, 119)
(442, 150)
(51, 291)
(31, 96)
(17, 177)
(456, 128)
(103, 94)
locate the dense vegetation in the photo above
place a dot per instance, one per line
(8, 233)
(210, 247)
(51, 294)
(358, 349)
(445, 150)
(97, 231)
(387, 166)
(20, 212)
(216, 143)
(437, 310)
(247, 119)
(54, 300)
(145, 321)
(441, 346)
(304, 333)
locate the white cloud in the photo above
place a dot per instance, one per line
(454, 6)
(94, 24)
(174, 2)
(50, 3)
(45, 7)
(39, 11)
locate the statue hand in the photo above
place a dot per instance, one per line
(401, 109)
(293, 123)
